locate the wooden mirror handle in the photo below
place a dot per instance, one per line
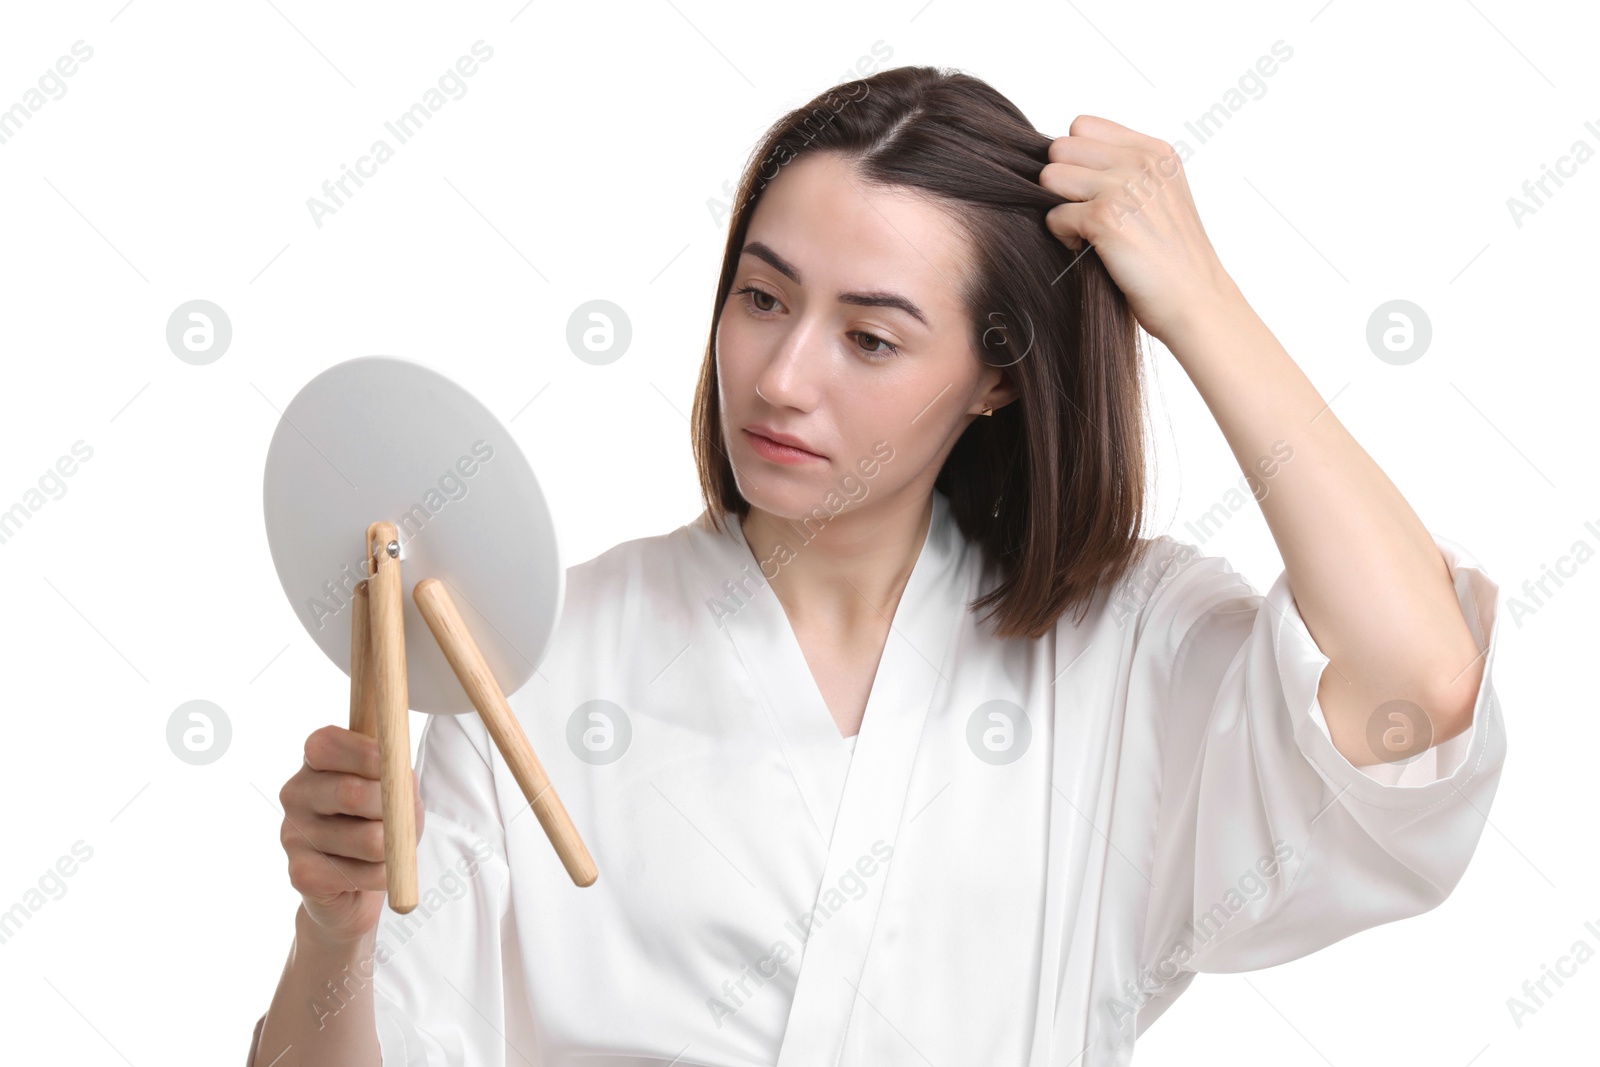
(387, 669)
(439, 609)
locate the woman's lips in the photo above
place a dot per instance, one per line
(769, 449)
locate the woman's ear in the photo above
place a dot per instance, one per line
(1002, 390)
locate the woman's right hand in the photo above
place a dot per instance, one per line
(333, 832)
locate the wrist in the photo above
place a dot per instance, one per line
(318, 941)
(1219, 309)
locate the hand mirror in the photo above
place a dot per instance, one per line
(413, 542)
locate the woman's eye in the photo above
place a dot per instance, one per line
(752, 295)
(884, 348)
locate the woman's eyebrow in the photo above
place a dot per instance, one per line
(877, 298)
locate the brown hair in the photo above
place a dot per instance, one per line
(1052, 485)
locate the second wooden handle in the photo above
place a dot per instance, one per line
(437, 607)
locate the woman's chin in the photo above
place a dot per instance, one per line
(784, 502)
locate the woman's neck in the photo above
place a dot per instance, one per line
(844, 572)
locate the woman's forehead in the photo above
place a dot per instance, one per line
(842, 232)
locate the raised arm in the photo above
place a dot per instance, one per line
(1365, 573)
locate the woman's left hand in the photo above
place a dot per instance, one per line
(1132, 203)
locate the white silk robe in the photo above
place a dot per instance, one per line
(1031, 851)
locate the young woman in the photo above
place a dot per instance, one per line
(910, 749)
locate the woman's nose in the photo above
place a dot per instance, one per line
(793, 373)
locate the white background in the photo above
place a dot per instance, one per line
(579, 165)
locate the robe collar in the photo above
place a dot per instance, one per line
(856, 803)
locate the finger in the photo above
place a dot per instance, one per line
(1113, 133)
(1067, 222)
(349, 836)
(321, 874)
(1086, 152)
(333, 748)
(1074, 182)
(335, 793)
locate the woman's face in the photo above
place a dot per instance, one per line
(854, 341)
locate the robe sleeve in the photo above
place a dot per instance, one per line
(438, 988)
(1269, 843)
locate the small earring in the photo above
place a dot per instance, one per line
(987, 410)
